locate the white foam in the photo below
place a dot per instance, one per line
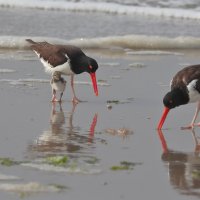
(29, 81)
(154, 53)
(33, 80)
(7, 71)
(19, 42)
(24, 82)
(110, 64)
(89, 83)
(28, 187)
(105, 7)
(126, 42)
(74, 170)
(137, 65)
(140, 42)
(4, 177)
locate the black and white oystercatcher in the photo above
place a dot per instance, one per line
(67, 59)
(185, 88)
(58, 84)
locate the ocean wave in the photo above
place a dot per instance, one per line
(146, 52)
(19, 42)
(105, 7)
(125, 42)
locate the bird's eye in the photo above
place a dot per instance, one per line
(170, 101)
(90, 67)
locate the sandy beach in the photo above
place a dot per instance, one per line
(106, 147)
(32, 128)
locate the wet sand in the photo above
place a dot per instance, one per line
(165, 165)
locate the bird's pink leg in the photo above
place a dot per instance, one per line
(198, 109)
(54, 99)
(74, 99)
(192, 124)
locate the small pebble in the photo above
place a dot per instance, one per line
(109, 106)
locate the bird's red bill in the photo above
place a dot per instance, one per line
(162, 119)
(94, 83)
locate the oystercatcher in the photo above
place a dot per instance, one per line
(67, 59)
(58, 83)
(185, 88)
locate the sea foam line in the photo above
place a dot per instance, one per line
(28, 187)
(26, 81)
(140, 42)
(112, 8)
(127, 41)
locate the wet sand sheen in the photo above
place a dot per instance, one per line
(32, 129)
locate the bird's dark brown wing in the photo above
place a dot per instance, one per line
(185, 76)
(53, 54)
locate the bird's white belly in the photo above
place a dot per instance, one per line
(194, 95)
(64, 68)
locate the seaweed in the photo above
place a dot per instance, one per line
(57, 160)
(196, 174)
(7, 162)
(124, 165)
(113, 101)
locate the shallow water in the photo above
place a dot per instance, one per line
(165, 164)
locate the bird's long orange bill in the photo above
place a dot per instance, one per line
(162, 119)
(94, 82)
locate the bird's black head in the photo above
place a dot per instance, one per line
(175, 97)
(92, 65)
(84, 64)
(91, 69)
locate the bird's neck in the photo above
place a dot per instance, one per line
(79, 65)
(181, 95)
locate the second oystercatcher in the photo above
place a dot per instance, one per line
(185, 88)
(58, 84)
(67, 59)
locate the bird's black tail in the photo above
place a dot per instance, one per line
(31, 41)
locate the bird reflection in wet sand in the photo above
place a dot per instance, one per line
(197, 142)
(60, 138)
(184, 167)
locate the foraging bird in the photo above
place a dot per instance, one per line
(67, 59)
(185, 88)
(58, 83)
